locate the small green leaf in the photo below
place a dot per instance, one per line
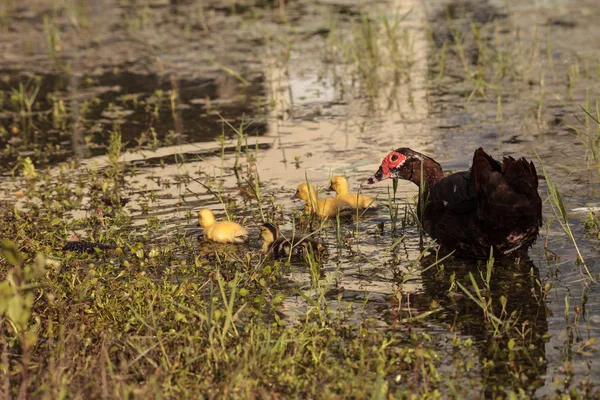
(6, 292)
(30, 338)
(17, 311)
(29, 169)
(503, 301)
(278, 299)
(180, 317)
(511, 344)
(11, 253)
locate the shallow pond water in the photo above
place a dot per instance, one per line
(293, 100)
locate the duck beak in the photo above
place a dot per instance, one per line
(378, 176)
(294, 197)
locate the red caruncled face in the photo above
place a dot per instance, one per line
(391, 161)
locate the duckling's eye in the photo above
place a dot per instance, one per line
(297, 191)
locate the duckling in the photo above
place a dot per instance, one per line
(339, 185)
(281, 246)
(223, 231)
(324, 208)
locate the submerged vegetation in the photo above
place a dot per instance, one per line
(180, 115)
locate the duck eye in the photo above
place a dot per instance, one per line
(394, 157)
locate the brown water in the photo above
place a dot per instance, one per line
(156, 72)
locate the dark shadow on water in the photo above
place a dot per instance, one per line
(149, 110)
(524, 319)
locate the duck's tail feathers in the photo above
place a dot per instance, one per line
(520, 172)
(483, 167)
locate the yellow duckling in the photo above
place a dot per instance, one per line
(324, 208)
(339, 185)
(223, 231)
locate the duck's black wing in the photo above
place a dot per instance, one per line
(454, 193)
(450, 213)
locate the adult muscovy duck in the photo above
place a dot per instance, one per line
(492, 205)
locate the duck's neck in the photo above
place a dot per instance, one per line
(206, 225)
(425, 174)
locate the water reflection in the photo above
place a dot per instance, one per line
(149, 110)
(510, 338)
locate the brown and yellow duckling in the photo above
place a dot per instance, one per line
(324, 208)
(222, 231)
(339, 185)
(280, 246)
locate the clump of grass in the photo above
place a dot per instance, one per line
(115, 146)
(17, 293)
(592, 223)
(6, 8)
(23, 100)
(138, 19)
(482, 297)
(201, 15)
(590, 134)
(53, 41)
(377, 49)
(561, 216)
